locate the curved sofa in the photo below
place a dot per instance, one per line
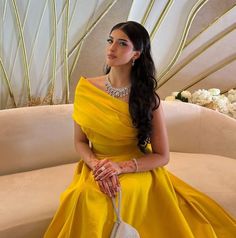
(37, 160)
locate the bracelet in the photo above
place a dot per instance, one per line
(136, 164)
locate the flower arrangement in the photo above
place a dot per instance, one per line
(210, 98)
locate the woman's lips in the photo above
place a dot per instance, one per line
(111, 56)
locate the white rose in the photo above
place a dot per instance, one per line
(201, 97)
(186, 94)
(232, 109)
(232, 95)
(221, 103)
(214, 91)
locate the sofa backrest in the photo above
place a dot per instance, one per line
(195, 129)
(36, 137)
(42, 136)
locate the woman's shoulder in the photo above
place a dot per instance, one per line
(98, 81)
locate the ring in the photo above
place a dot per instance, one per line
(102, 168)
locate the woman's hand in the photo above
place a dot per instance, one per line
(110, 186)
(105, 169)
(106, 174)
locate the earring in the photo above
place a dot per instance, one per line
(133, 61)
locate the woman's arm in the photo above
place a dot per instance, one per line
(158, 158)
(160, 147)
(82, 147)
(111, 184)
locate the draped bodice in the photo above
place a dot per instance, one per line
(105, 120)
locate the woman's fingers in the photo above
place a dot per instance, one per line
(109, 174)
(109, 186)
(101, 163)
(100, 167)
(105, 174)
(115, 183)
(105, 170)
(101, 186)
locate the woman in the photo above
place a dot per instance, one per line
(121, 138)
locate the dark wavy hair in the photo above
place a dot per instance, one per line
(143, 99)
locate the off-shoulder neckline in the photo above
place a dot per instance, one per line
(103, 92)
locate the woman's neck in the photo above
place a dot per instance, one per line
(119, 77)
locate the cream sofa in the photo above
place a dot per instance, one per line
(37, 160)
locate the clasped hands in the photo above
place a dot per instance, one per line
(106, 174)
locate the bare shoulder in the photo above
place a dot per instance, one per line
(97, 81)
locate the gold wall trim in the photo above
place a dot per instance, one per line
(18, 41)
(1, 29)
(37, 33)
(212, 70)
(72, 13)
(202, 49)
(87, 32)
(161, 18)
(191, 16)
(92, 26)
(50, 92)
(211, 24)
(77, 54)
(147, 12)
(66, 68)
(25, 61)
(8, 83)
(50, 47)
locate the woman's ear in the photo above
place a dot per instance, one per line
(136, 55)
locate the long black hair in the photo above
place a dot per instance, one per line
(143, 99)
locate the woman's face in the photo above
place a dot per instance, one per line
(119, 50)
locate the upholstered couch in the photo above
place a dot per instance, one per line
(37, 160)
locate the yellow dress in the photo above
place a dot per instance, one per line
(156, 203)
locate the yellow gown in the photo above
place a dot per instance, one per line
(156, 203)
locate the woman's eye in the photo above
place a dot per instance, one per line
(122, 43)
(109, 41)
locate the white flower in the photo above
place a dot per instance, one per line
(170, 98)
(214, 91)
(186, 94)
(232, 109)
(232, 95)
(210, 98)
(201, 97)
(222, 103)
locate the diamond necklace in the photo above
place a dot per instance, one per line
(116, 92)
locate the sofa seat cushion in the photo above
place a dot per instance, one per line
(211, 174)
(29, 200)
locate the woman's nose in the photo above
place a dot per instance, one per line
(113, 46)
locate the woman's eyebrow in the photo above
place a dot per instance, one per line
(120, 39)
(123, 40)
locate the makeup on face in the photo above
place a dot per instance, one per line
(120, 39)
(119, 48)
(120, 42)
